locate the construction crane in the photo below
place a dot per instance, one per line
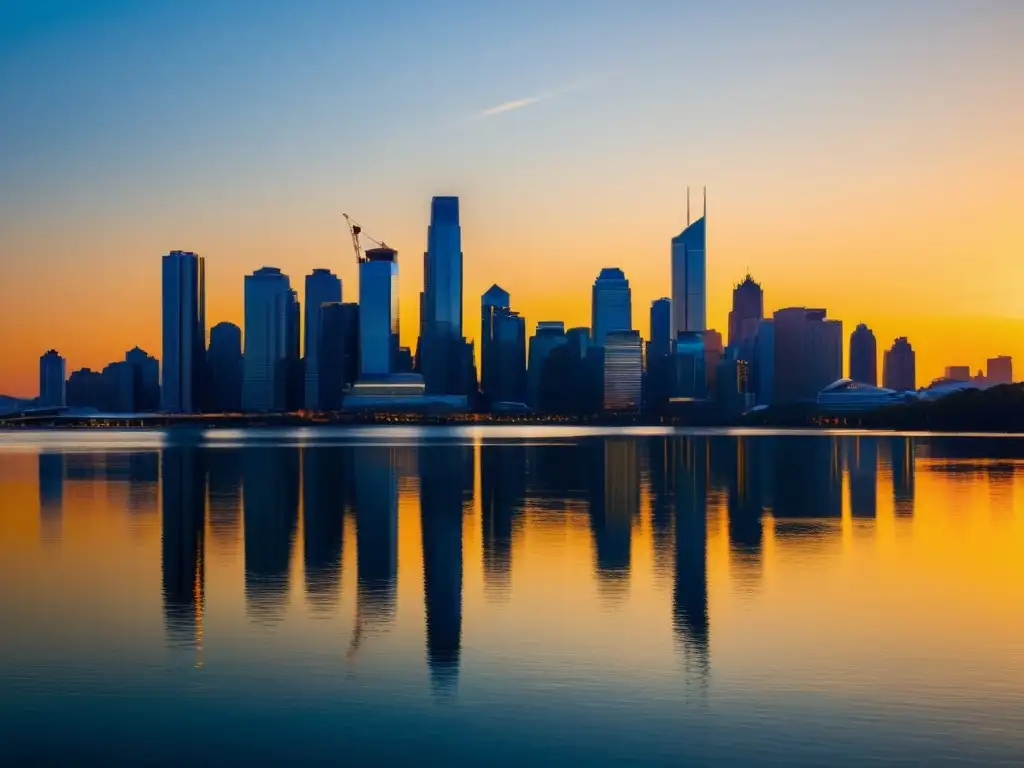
(356, 230)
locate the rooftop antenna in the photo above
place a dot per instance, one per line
(687, 206)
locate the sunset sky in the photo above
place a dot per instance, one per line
(866, 157)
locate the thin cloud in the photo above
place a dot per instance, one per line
(509, 106)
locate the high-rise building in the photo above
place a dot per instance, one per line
(502, 349)
(340, 352)
(226, 368)
(550, 334)
(623, 370)
(85, 389)
(808, 354)
(658, 381)
(378, 312)
(611, 304)
(322, 287)
(270, 309)
(863, 356)
(293, 369)
(713, 352)
(958, 372)
(661, 327)
(689, 275)
(184, 332)
(52, 380)
(1000, 370)
(899, 367)
(745, 316)
(764, 363)
(689, 366)
(145, 373)
(441, 320)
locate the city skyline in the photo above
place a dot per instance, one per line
(819, 183)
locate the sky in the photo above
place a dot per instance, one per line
(865, 157)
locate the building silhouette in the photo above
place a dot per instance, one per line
(184, 332)
(713, 354)
(550, 335)
(999, 370)
(689, 380)
(339, 351)
(899, 367)
(863, 356)
(689, 275)
(52, 380)
(85, 389)
(660, 348)
(958, 372)
(611, 304)
(764, 363)
(502, 349)
(441, 336)
(623, 371)
(270, 340)
(145, 373)
(322, 287)
(808, 354)
(226, 368)
(746, 315)
(378, 312)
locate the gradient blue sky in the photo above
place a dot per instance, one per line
(862, 156)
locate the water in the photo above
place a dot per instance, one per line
(499, 596)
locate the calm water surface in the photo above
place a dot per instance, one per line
(499, 596)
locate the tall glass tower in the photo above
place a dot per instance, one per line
(184, 332)
(689, 277)
(863, 356)
(322, 287)
(269, 311)
(611, 304)
(378, 312)
(441, 323)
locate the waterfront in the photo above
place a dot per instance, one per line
(502, 595)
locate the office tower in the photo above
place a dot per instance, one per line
(441, 319)
(269, 339)
(378, 312)
(1000, 370)
(322, 287)
(578, 340)
(713, 351)
(611, 304)
(226, 368)
(899, 367)
(808, 354)
(184, 332)
(658, 379)
(118, 383)
(85, 389)
(689, 275)
(623, 370)
(52, 386)
(863, 356)
(294, 379)
(339, 347)
(145, 373)
(958, 372)
(746, 315)
(732, 385)
(502, 349)
(550, 334)
(764, 363)
(689, 367)
(661, 327)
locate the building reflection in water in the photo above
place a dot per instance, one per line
(224, 487)
(746, 498)
(903, 474)
(270, 487)
(861, 455)
(182, 518)
(690, 596)
(658, 471)
(325, 479)
(614, 496)
(375, 477)
(51, 495)
(446, 486)
(503, 492)
(143, 478)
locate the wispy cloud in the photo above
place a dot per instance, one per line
(509, 106)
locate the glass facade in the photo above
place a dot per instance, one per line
(322, 287)
(623, 371)
(184, 331)
(689, 279)
(611, 304)
(378, 312)
(690, 364)
(269, 305)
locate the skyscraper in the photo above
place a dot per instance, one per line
(269, 339)
(658, 382)
(689, 275)
(863, 356)
(52, 380)
(226, 368)
(441, 323)
(899, 367)
(378, 312)
(322, 287)
(184, 332)
(747, 312)
(144, 370)
(661, 327)
(764, 363)
(550, 335)
(623, 370)
(339, 345)
(999, 370)
(611, 304)
(808, 354)
(502, 349)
